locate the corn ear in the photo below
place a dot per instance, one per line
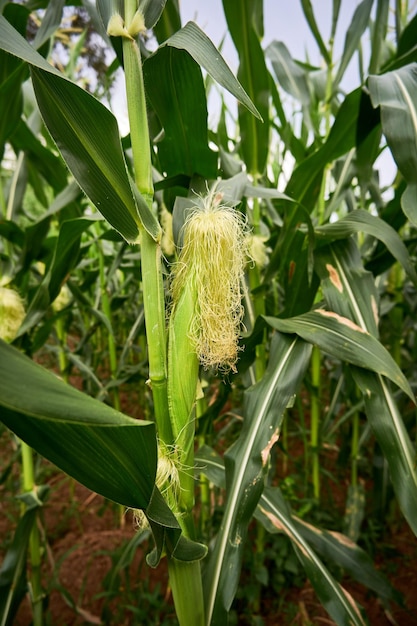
(182, 388)
(182, 366)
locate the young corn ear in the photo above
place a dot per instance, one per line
(12, 313)
(182, 388)
(212, 263)
(205, 317)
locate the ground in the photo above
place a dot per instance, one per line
(85, 535)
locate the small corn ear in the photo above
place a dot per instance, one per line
(182, 388)
(182, 367)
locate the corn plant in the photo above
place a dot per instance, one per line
(258, 318)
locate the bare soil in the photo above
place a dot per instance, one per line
(83, 531)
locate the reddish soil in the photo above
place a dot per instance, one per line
(83, 533)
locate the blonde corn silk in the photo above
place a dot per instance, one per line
(12, 313)
(212, 262)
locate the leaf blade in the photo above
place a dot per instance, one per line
(92, 442)
(265, 404)
(343, 339)
(192, 39)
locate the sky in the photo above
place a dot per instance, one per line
(283, 21)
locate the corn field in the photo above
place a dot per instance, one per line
(209, 320)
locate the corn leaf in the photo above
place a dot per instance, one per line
(360, 21)
(151, 10)
(381, 407)
(63, 260)
(311, 20)
(175, 89)
(273, 512)
(112, 454)
(244, 20)
(338, 549)
(246, 461)
(337, 601)
(343, 339)
(192, 39)
(394, 93)
(362, 221)
(350, 290)
(291, 76)
(50, 23)
(13, 583)
(87, 135)
(290, 256)
(386, 422)
(12, 74)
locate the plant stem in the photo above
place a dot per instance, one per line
(62, 356)
(111, 342)
(187, 591)
(28, 483)
(152, 283)
(354, 450)
(315, 420)
(185, 578)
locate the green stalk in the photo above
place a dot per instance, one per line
(187, 591)
(62, 356)
(315, 420)
(316, 357)
(396, 315)
(153, 292)
(204, 484)
(401, 13)
(28, 483)
(379, 34)
(111, 342)
(354, 450)
(185, 578)
(3, 207)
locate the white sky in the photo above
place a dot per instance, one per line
(283, 21)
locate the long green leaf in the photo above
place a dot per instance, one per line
(192, 39)
(311, 20)
(151, 10)
(63, 260)
(360, 21)
(110, 453)
(349, 290)
(12, 74)
(343, 339)
(50, 22)
(362, 221)
(291, 76)
(290, 254)
(332, 595)
(341, 551)
(394, 93)
(87, 135)
(381, 408)
(337, 601)
(175, 89)
(264, 405)
(244, 20)
(392, 436)
(13, 569)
